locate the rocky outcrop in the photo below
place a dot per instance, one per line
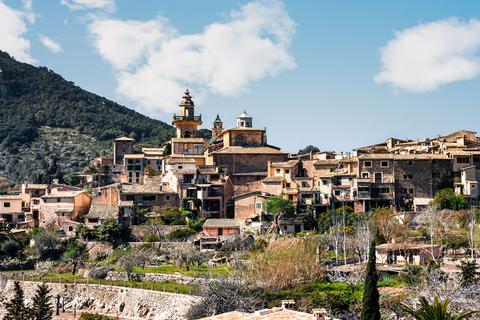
(121, 301)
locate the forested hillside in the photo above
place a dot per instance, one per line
(35, 98)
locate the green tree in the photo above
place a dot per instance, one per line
(309, 216)
(11, 248)
(41, 308)
(448, 199)
(109, 231)
(308, 149)
(436, 311)
(75, 253)
(16, 307)
(469, 272)
(5, 233)
(370, 305)
(278, 207)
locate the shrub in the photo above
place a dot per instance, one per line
(100, 272)
(151, 238)
(96, 316)
(180, 234)
(11, 247)
(179, 222)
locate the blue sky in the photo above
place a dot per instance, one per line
(334, 74)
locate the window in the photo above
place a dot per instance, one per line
(58, 199)
(384, 164)
(149, 198)
(463, 160)
(367, 164)
(137, 180)
(304, 185)
(129, 180)
(436, 175)
(287, 170)
(363, 189)
(180, 167)
(384, 190)
(407, 176)
(138, 168)
(70, 228)
(476, 160)
(130, 174)
(37, 191)
(258, 205)
(214, 177)
(404, 190)
(410, 190)
(167, 198)
(6, 204)
(365, 174)
(410, 163)
(325, 195)
(318, 183)
(277, 171)
(130, 197)
(324, 182)
(378, 177)
(287, 185)
(137, 174)
(337, 192)
(290, 197)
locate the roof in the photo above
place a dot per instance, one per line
(409, 246)
(397, 157)
(244, 115)
(207, 170)
(103, 212)
(36, 186)
(12, 197)
(285, 164)
(146, 189)
(256, 173)
(244, 129)
(65, 210)
(134, 156)
(198, 140)
(153, 150)
(273, 179)
(221, 223)
(125, 203)
(248, 150)
(186, 171)
(64, 194)
(273, 314)
(179, 160)
(124, 139)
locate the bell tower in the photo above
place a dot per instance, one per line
(187, 122)
(217, 128)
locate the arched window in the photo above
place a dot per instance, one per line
(186, 134)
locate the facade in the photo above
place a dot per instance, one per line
(121, 147)
(63, 205)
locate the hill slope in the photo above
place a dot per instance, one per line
(33, 98)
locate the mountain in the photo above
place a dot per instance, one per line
(43, 115)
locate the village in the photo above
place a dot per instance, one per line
(199, 204)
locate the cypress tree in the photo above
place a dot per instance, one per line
(42, 309)
(370, 305)
(16, 308)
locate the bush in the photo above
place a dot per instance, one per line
(11, 247)
(180, 234)
(179, 222)
(151, 238)
(96, 316)
(100, 272)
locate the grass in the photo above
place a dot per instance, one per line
(156, 286)
(193, 272)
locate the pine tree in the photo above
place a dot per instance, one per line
(42, 309)
(16, 308)
(370, 305)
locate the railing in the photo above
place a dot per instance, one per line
(187, 118)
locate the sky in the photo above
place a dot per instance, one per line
(334, 74)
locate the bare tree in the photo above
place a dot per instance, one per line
(363, 235)
(429, 218)
(336, 230)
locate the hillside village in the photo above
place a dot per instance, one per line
(237, 193)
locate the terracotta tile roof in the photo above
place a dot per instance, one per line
(36, 186)
(179, 160)
(123, 203)
(64, 194)
(134, 156)
(123, 139)
(399, 157)
(146, 189)
(273, 179)
(207, 170)
(257, 173)
(273, 314)
(248, 150)
(244, 129)
(11, 197)
(186, 171)
(191, 140)
(103, 212)
(221, 223)
(286, 164)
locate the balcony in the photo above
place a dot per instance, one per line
(187, 118)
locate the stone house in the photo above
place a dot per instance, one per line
(11, 209)
(148, 196)
(63, 205)
(221, 227)
(409, 253)
(99, 213)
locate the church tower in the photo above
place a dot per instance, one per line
(217, 128)
(187, 123)
(244, 120)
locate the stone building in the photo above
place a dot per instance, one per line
(121, 147)
(63, 205)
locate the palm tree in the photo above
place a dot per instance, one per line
(5, 233)
(437, 311)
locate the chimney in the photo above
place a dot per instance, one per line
(319, 314)
(288, 304)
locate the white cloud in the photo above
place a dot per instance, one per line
(51, 45)
(12, 28)
(154, 63)
(422, 58)
(107, 5)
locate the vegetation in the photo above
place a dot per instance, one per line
(436, 311)
(39, 102)
(448, 199)
(16, 307)
(279, 207)
(370, 305)
(308, 149)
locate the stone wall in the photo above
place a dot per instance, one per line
(148, 277)
(5, 277)
(113, 301)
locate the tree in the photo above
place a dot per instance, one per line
(447, 199)
(149, 171)
(385, 222)
(436, 311)
(191, 256)
(469, 272)
(109, 230)
(308, 149)
(16, 307)
(45, 241)
(5, 233)
(76, 252)
(370, 305)
(41, 308)
(127, 262)
(309, 216)
(143, 254)
(278, 206)
(11, 248)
